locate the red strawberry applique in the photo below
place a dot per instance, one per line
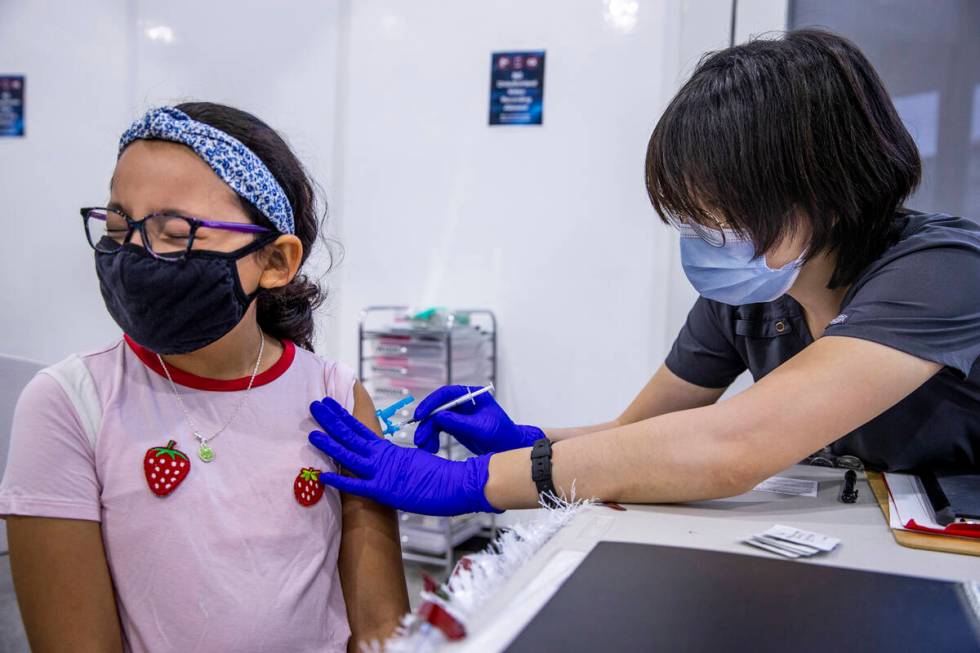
(307, 486)
(165, 468)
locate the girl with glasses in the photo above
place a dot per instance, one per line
(160, 492)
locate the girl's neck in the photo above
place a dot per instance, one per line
(820, 303)
(233, 355)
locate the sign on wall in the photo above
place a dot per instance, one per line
(11, 105)
(517, 88)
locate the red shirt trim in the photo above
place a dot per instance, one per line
(220, 385)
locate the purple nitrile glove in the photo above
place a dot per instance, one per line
(482, 427)
(404, 478)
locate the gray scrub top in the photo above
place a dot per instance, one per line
(922, 297)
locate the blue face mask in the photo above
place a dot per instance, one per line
(732, 274)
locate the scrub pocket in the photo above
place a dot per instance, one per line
(764, 345)
(769, 328)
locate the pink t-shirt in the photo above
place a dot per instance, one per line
(229, 560)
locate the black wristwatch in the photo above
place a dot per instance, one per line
(541, 472)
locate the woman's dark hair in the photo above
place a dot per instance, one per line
(286, 312)
(777, 134)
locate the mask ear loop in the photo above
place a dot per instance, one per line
(796, 262)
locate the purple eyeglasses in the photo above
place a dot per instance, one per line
(166, 236)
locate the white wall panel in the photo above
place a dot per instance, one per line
(77, 89)
(549, 226)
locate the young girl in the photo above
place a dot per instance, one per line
(161, 494)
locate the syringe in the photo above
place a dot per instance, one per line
(469, 396)
(385, 415)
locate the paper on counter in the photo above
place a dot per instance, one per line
(796, 487)
(824, 543)
(799, 549)
(792, 542)
(766, 546)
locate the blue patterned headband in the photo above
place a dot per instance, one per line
(237, 165)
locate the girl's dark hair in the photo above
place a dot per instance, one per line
(286, 312)
(776, 134)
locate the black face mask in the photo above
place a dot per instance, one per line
(174, 307)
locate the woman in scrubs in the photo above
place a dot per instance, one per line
(784, 166)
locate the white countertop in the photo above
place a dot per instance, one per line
(866, 543)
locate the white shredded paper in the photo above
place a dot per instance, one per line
(467, 590)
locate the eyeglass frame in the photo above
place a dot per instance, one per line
(699, 229)
(133, 225)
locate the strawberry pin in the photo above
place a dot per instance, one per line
(307, 486)
(165, 468)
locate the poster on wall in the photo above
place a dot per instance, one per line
(11, 105)
(517, 88)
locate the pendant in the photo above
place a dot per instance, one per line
(205, 452)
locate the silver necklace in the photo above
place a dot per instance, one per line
(205, 452)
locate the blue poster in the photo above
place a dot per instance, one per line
(517, 88)
(11, 105)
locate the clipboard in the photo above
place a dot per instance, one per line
(913, 540)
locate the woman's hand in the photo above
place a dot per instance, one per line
(480, 425)
(408, 479)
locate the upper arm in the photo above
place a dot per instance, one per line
(370, 553)
(63, 584)
(926, 304)
(364, 409)
(50, 496)
(826, 391)
(51, 463)
(666, 393)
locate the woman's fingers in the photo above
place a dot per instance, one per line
(344, 417)
(336, 448)
(427, 437)
(332, 417)
(347, 484)
(456, 424)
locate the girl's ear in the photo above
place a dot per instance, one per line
(281, 258)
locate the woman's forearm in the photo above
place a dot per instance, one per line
(826, 391)
(556, 435)
(657, 460)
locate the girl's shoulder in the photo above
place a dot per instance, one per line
(338, 378)
(76, 369)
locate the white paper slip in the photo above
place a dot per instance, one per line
(768, 547)
(798, 536)
(801, 549)
(795, 487)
